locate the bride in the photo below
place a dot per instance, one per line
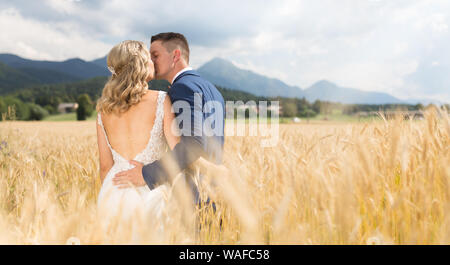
(133, 123)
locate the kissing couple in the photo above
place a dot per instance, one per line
(147, 138)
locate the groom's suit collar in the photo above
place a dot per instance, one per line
(185, 73)
(187, 68)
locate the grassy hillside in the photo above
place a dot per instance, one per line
(11, 79)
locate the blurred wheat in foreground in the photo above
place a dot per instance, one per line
(385, 182)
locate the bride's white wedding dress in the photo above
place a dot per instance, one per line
(125, 203)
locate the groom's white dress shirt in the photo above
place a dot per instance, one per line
(180, 72)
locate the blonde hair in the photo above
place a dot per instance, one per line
(128, 62)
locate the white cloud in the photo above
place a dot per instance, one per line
(45, 41)
(366, 44)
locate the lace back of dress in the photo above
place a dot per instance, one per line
(156, 145)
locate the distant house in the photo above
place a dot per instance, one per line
(67, 107)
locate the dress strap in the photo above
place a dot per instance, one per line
(100, 122)
(160, 107)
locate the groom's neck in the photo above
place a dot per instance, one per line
(180, 66)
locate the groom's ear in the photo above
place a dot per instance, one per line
(177, 55)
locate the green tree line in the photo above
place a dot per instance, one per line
(38, 101)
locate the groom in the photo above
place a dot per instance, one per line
(170, 55)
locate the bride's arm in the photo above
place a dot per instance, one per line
(169, 116)
(106, 159)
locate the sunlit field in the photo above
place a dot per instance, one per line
(384, 182)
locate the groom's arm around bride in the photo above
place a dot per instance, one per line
(194, 142)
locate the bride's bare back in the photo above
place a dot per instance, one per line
(129, 132)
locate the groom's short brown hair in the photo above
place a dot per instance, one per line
(172, 41)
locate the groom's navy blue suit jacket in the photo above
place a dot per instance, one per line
(196, 140)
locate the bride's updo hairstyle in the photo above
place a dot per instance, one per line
(128, 63)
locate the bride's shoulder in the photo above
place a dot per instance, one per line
(153, 97)
(151, 94)
(160, 95)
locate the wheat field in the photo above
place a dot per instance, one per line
(382, 182)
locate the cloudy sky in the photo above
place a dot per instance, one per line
(395, 46)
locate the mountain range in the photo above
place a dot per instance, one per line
(75, 68)
(223, 73)
(226, 74)
(17, 72)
